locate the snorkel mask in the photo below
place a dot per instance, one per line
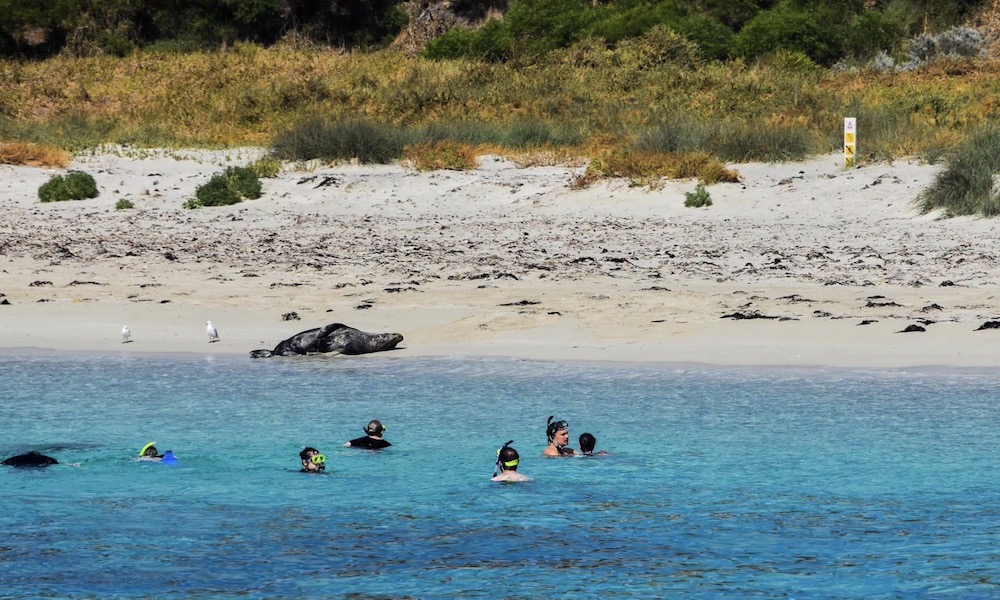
(554, 426)
(319, 460)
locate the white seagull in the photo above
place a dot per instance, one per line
(213, 333)
(126, 335)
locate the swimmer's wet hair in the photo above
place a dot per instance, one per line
(587, 442)
(305, 452)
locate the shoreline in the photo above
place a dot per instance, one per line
(505, 261)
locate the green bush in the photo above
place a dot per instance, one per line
(75, 185)
(788, 28)
(231, 186)
(965, 185)
(698, 198)
(369, 143)
(266, 167)
(124, 204)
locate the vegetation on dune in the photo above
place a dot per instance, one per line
(75, 185)
(644, 89)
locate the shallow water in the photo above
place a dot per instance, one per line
(741, 483)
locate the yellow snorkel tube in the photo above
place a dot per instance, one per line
(146, 447)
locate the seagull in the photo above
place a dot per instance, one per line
(126, 335)
(213, 333)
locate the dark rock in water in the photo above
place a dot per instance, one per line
(335, 338)
(912, 329)
(31, 459)
(989, 325)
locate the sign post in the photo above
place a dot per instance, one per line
(850, 140)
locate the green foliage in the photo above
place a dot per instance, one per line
(124, 204)
(733, 141)
(231, 186)
(528, 133)
(540, 26)
(266, 167)
(966, 185)
(788, 28)
(341, 140)
(658, 47)
(698, 198)
(75, 185)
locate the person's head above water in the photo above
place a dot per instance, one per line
(149, 451)
(507, 458)
(587, 443)
(375, 428)
(553, 428)
(558, 434)
(312, 460)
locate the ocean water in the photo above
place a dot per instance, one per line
(720, 483)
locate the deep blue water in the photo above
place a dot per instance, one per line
(721, 483)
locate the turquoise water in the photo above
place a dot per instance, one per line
(721, 483)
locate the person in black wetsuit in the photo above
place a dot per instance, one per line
(558, 434)
(312, 460)
(374, 431)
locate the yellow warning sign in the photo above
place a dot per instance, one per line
(850, 132)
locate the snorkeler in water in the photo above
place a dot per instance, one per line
(558, 434)
(312, 461)
(506, 465)
(372, 440)
(149, 452)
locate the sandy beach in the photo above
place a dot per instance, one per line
(825, 265)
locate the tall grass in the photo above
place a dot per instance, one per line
(967, 186)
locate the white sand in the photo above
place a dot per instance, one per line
(503, 261)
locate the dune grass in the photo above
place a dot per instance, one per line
(370, 106)
(967, 185)
(33, 155)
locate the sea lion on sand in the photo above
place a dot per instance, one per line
(31, 459)
(336, 338)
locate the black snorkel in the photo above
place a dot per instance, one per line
(498, 465)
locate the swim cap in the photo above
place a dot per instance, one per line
(146, 447)
(374, 427)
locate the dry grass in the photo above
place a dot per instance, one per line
(31, 155)
(648, 168)
(432, 156)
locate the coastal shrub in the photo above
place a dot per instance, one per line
(698, 198)
(658, 47)
(441, 155)
(741, 141)
(124, 204)
(231, 186)
(75, 185)
(967, 186)
(790, 28)
(529, 133)
(365, 141)
(266, 167)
